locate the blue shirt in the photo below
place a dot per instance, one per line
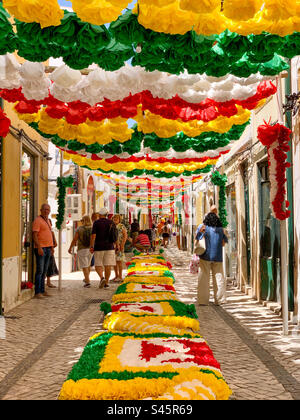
(214, 237)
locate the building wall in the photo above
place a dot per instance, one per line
(12, 200)
(296, 187)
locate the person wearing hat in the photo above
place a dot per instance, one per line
(102, 244)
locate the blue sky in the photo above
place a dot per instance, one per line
(69, 4)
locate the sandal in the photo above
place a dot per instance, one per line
(51, 285)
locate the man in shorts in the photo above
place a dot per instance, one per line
(102, 247)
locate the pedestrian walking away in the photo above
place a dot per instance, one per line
(103, 239)
(94, 217)
(211, 261)
(165, 236)
(134, 231)
(82, 239)
(153, 237)
(120, 244)
(43, 249)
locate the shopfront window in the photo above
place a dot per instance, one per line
(269, 240)
(27, 216)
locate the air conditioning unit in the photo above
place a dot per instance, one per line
(73, 207)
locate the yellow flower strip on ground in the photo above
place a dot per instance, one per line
(180, 16)
(153, 357)
(123, 321)
(143, 297)
(141, 388)
(145, 366)
(150, 280)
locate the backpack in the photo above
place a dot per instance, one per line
(85, 236)
(112, 233)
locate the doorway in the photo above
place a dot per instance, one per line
(247, 220)
(231, 248)
(27, 214)
(269, 233)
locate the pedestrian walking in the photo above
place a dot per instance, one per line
(103, 239)
(211, 261)
(119, 250)
(142, 242)
(165, 235)
(43, 249)
(52, 267)
(94, 217)
(135, 227)
(154, 235)
(82, 239)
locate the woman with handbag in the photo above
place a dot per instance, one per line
(211, 259)
(82, 240)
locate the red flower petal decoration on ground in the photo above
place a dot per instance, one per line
(276, 138)
(4, 124)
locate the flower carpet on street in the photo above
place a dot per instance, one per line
(151, 348)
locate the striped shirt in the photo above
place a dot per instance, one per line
(143, 239)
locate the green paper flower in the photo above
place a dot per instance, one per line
(62, 184)
(220, 181)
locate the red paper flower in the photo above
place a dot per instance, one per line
(4, 124)
(276, 138)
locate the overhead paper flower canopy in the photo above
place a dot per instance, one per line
(196, 73)
(177, 16)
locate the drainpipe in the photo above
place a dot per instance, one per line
(284, 240)
(290, 197)
(1, 206)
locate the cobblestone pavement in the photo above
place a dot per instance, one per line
(44, 338)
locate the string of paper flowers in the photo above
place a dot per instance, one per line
(130, 86)
(157, 171)
(255, 16)
(276, 138)
(105, 131)
(81, 44)
(137, 181)
(177, 16)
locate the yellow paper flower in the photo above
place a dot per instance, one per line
(237, 10)
(205, 17)
(204, 6)
(99, 12)
(46, 13)
(164, 128)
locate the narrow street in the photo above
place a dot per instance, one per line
(44, 338)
